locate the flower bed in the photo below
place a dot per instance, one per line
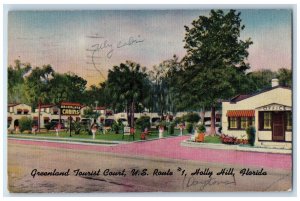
(226, 139)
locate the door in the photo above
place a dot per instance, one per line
(278, 131)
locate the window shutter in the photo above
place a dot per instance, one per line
(261, 120)
(228, 123)
(238, 121)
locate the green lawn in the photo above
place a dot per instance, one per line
(109, 136)
(212, 139)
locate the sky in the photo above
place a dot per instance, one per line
(89, 43)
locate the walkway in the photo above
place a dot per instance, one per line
(171, 148)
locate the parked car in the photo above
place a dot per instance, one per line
(124, 121)
(208, 123)
(86, 121)
(53, 123)
(217, 126)
(155, 122)
(108, 122)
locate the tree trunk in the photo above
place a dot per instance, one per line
(202, 116)
(212, 121)
(39, 117)
(132, 115)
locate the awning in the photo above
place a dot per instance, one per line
(25, 110)
(9, 118)
(46, 118)
(35, 118)
(240, 113)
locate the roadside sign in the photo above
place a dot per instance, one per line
(70, 109)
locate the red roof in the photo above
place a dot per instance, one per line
(13, 104)
(71, 103)
(239, 98)
(47, 105)
(240, 113)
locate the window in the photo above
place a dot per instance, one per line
(252, 121)
(9, 120)
(289, 121)
(240, 123)
(267, 120)
(244, 122)
(26, 111)
(233, 122)
(46, 120)
(19, 111)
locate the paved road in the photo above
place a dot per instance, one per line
(170, 148)
(164, 155)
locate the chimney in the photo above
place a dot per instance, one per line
(275, 82)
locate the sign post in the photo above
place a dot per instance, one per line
(70, 109)
(70, 121)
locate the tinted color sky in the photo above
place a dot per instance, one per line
(62, 38)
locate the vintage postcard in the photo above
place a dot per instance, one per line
(169, 100)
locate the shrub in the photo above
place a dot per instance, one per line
(143, 122)
(228, 139)
(251, 134)
(189, 127)
(191, 117)
(171, 128)
(120, 126)
(117, 126)
(178, 120)
(25, 124)
(163, 124)
(48, 126)
(201, 128)
(76, 126)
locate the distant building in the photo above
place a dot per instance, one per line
(48, 112)
(15, 112)
(269, 111)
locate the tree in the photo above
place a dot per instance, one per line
(163, 82)
(90, 113)
(258, 80)
(285, 77)
(128, 86)
(98, 93)
(215, 58)
(16, 74)
(76, 87)
(37, 85)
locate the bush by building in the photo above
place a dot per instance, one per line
(25, 124)
(143, 122)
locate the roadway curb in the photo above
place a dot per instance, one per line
(188, 143)
(67, 140)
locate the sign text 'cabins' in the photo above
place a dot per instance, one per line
(70, 109)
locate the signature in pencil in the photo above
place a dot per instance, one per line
(103, 48)
(201, 184)
(106, 47)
